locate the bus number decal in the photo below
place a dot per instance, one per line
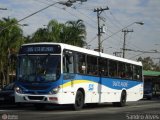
(91, 87)
(120, 84)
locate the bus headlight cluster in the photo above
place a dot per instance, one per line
(54, 90)
(18, 89)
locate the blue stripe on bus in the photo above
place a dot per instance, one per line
(117, 84)
(113, 83)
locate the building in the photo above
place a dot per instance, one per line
(153, 78)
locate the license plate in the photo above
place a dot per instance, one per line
(1, 98)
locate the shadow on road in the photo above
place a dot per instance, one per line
(30, 107)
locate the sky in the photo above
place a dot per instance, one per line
(121, 13)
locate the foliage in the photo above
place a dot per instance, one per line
(76, 32)
(10, 41)
(148, 64)
(72, 32)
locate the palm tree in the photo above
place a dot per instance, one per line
(55, 30)
(49, 34)
(10, 41)
(40, 35)
(73, 32)
(76, 32)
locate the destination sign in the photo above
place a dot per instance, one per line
(40, 49)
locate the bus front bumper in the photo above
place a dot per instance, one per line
(30, 98)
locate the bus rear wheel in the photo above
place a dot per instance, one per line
(79, 101)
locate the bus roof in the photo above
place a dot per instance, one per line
(87, 51)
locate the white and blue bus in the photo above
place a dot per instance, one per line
(56, 73)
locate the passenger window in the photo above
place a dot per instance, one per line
(103, 65)
(92, 65)
(121, 70)
(137, 73)
(68, 64)
(81, 63)
(129, 71)
(112, 68)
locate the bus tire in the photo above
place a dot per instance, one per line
(79, 101)
(122, 102)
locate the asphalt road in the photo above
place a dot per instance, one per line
(141, 110)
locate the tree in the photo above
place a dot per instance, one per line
(76, 32)
(49, 34)
(73, 32)
(55, 30)
(10, 41)
(148, 63)
(40, 35)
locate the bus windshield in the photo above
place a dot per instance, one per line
(38, 68)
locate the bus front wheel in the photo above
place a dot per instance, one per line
(79, 101)
(122, 102)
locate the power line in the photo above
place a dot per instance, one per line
(89, 19)
(137, 55)
(111, 21)
(108, 42)
(116, 19)
(114, 39)
(86, 16)
(119, 23)
(68, 4)
(92, 39)
(28, 16)
(143, 51)
(79, 18)
(72, 14)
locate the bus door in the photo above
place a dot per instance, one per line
(68, 71)
(103, 69)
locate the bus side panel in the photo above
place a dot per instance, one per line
(67, 95)
(108, 94)
(92, 88)
(135, 93)
(88, 83)
(100, 90)
(112, 88)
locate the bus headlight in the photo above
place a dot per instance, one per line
(18, 89)
(54, 90)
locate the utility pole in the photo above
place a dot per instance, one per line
(124, 43)
(99, 11)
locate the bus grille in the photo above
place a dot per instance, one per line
(36, 97)
(32, 87)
